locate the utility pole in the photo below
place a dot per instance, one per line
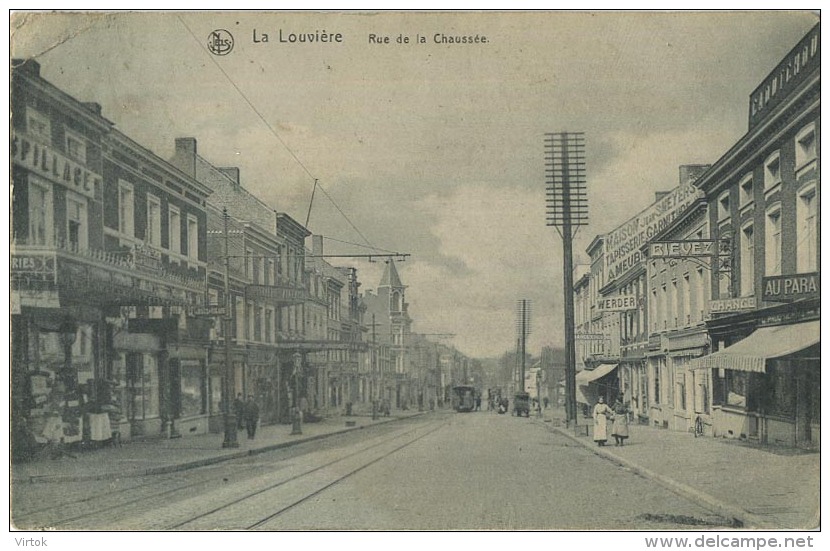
(567, 209)
(230, 440)
(523, 328)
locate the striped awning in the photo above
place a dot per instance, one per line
(765, 343)
(584, 377)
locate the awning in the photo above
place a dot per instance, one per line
(765, 343)
(584, 377)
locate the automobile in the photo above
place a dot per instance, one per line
(521, 404)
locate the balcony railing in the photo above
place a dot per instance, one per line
(118, 261)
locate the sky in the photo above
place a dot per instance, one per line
(434, 150)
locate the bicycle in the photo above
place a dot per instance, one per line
(698, 426)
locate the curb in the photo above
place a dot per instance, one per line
(746, 519)
(166, 469)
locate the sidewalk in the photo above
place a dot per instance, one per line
(762, 487)
(158, 456)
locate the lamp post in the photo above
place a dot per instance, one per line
(296, 427)
(539, 393)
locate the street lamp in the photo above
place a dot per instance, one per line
(67, 333)
(539, 393)
(296, 427)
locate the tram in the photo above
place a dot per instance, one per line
(464, 398)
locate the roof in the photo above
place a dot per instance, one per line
(390, 276)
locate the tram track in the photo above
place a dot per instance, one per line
(108, 504)
(232, 515)
(160, 510)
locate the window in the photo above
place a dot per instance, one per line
(143, 386)
(772, 244)
(655, 309)
(664, 300)
(258, 324)
(723, 206)
(269, 315)
(806, 248)
(249, 264)
(126, 208)
(746, 191)
(239, 313)
(674, 302)
(805, 146)
(192, 237)
(175, 223)
(75, 147)
(153, 236)
(687, 298)
(38, 126)
(40, 212)
(76, 221)
(249, 318)
(701, 293)
(747, 260)
(772, 172)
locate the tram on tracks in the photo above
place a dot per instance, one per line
(464, 398)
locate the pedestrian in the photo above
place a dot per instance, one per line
(601, 414)
(239, 411)
(251, 416)
(620, 428)
(303, 408)
(546, 400)
(478, 403)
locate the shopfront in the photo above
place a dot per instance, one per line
(766, 385)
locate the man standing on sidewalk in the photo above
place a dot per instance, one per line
(251, 416)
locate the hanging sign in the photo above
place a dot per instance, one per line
(617, 303)
(681, 249)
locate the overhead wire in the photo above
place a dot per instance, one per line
(262, 118)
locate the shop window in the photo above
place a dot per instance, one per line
(736, 387)
(40, 212)
(192, 384)
(780, 389)
(806, 248)
(142, 385)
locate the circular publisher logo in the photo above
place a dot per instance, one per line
(220, 42)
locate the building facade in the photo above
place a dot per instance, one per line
(107, 263)
(763, 198)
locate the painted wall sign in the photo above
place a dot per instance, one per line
(618, 303)
(621, 247)
(723, 305)
(681, 249)
(50, 164)
(788, 288)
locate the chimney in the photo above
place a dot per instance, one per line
(690, 173)
(185, 156)
(231, 172)
(316, 245)
(93, 106)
